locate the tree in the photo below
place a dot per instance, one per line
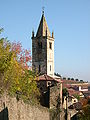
(65, 91)
(15, 74)
(85, 113)
(1, 29)
(81, 81)
(68, 78)
(64, 78)
(72, 78)
(77, 96)
(76, 79)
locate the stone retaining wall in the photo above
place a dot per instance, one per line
(11, 109)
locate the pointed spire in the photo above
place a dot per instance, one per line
(43, 27)
(46, 32)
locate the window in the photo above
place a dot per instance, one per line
(50, 67)
(50, 45)
(48, 83)
(40, 44)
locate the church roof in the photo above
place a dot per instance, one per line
(43, 29)
(46, 77)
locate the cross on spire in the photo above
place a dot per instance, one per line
(43, 27)
(43, 10)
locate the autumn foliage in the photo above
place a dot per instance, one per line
(16, 76)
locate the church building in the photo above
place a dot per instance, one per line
(43, 63)
(43, 49)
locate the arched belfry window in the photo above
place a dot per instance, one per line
(40, 45)
(50, 45)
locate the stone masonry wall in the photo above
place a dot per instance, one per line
(39, 54)
(11, 109)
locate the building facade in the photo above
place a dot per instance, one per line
(50, 86)
(43, 49)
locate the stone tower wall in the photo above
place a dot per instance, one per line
(39, 54)
(42, 54)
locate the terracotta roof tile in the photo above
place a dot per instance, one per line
(47, 78)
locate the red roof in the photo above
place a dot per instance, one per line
(47, 78)
(72, 92)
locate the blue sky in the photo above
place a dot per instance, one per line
(70, 21)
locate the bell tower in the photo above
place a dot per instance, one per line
(43, 49)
